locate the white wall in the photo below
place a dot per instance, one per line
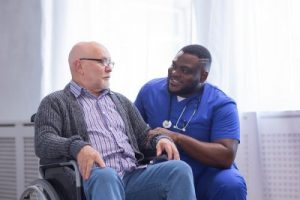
(20, 58)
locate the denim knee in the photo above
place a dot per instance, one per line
(104, 183)
(180, 183)
(181, 168)
(105, 175)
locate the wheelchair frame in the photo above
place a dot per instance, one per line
(43, 188)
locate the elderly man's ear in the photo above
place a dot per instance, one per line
(77, 66)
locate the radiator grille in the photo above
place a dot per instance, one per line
(30, 161)
(7, 168)
(280, 155)
(281, 165)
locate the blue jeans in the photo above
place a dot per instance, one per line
(172, 180)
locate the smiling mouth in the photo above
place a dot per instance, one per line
(173, 82)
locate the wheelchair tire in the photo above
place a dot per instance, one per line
(42, 188)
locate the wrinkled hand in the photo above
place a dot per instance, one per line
(86, 158)
(165, 145)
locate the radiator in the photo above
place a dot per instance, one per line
(18, 163)
(269, 155)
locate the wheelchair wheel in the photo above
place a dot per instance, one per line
(39, 189)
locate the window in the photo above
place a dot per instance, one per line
(142, 36)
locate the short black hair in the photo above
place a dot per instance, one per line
(199, 51)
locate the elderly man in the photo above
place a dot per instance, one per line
(105, 133)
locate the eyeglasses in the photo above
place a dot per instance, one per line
(104, 62)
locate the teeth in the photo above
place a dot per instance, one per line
(175, 81)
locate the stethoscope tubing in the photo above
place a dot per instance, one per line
(168, 124)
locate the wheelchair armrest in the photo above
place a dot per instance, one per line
(71, 164)
(159, 159)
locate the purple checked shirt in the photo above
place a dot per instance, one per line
(106, 129)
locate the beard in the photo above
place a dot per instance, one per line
(187, 90)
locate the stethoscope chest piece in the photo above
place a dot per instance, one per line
(167, 124)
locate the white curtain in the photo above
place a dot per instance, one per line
(255, 46)
(141, 35)
(256, 50)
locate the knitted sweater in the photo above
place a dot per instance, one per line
(61, 131)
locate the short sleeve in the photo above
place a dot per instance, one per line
(225, 123)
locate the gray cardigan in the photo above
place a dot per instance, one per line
(61, 131)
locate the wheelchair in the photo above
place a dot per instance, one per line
(62, 180)
(59, 181)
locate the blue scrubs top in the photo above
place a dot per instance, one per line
(216, 115)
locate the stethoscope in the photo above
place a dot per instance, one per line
(168, 124)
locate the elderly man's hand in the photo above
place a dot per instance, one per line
(86, 158)
(165, 145)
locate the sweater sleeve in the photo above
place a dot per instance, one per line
(51, 142)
